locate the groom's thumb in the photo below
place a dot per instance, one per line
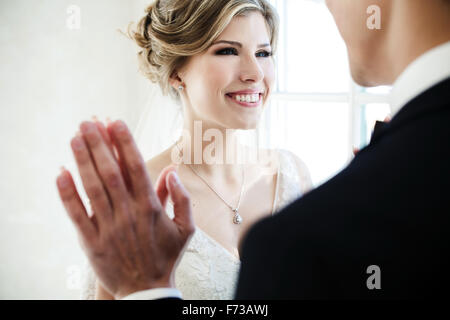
(181, 204)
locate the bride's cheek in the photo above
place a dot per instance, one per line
(269, 74)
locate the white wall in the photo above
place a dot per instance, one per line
(51, 79)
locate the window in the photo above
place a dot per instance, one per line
(317, 111)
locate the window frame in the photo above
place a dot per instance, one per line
(356, 96)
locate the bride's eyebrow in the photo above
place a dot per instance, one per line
(238, 44)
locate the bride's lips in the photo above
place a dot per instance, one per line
(232, 96)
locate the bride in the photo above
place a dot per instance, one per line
(216, 59)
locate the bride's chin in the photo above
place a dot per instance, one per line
(242, 120)
(246, 121)
(249, 127)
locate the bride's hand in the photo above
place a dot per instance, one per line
(131, 243)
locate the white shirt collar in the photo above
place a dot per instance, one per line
(427, 70)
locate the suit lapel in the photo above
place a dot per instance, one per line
(430, 101)
(379, 127)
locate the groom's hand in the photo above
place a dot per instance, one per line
(131, 243)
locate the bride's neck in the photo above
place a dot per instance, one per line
(212, 151)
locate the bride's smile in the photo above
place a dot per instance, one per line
(230, 83)
(247, 98)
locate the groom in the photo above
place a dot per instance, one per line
(378, 229)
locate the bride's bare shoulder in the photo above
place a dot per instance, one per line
(156, 164)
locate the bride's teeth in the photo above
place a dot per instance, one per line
(247, 98)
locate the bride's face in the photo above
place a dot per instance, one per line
(228, 85)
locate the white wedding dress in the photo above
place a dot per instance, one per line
(207, 271)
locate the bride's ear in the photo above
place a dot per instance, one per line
(175, 80)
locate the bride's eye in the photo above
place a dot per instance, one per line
(264, 54)
(227, 51)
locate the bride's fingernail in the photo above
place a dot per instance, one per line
(108, 120)
(95, 118)
(78, 134)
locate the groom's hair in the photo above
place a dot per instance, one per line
(174, 30)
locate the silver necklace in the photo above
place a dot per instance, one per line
(237, 219)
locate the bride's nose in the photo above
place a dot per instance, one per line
(251, 71)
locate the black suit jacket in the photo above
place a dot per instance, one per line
(390, 207)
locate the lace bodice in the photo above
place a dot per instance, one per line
(207, 271)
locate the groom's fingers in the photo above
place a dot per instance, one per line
(104, 133)
(181, 205)
(75, 207)
(92, 183)
(108, 169)
(162, 190)
(107, 136)
(134, 164)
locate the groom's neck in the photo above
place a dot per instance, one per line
(415, 27)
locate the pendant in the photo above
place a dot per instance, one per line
(237, 219)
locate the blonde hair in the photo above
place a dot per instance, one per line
(174, 30)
